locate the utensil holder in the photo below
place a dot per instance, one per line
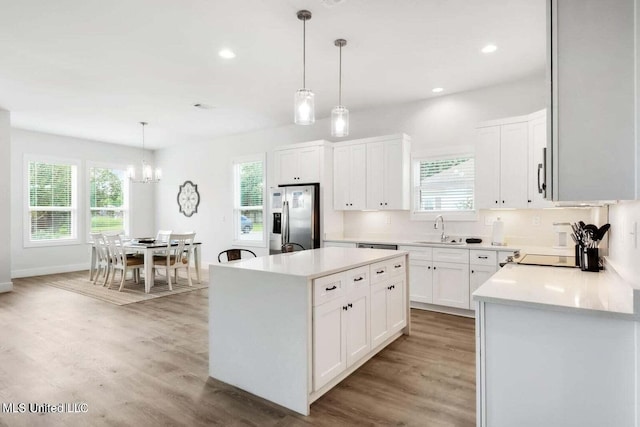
(578, 256)
(591, 260)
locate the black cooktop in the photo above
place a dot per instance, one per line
(549, 260)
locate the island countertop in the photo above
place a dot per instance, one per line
(560, 289)
(314, 263)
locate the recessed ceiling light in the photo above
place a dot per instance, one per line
(227, 54)
(490, 48)
(437, 90)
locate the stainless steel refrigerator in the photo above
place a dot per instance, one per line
(295, 217)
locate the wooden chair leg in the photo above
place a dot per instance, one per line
(108, 273)
(124, 276)
(169, 279)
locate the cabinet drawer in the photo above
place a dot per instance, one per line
(451, 255)
(477, 257)
(418, 252)
(328, 287)
(357, 277)
(382, 270)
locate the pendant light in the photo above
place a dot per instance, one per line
(304, 110)
(340, 114)
(147, 173)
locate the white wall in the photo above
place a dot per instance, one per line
(441, 121)
(5, 210)
(624, 247)
(55, 259)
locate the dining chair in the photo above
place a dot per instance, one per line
(163, 236)
(120, 260)
(178, 255)
(234, 254)
(103, 260)
(292, 247)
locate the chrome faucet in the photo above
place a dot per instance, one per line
(443, 237)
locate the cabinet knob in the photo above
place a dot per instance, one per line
(471, 271)
(350, 204)
(503, 201)
(345, 308)
(429, 267)
(434, 267)
(385, 204)
(496, 201)
(528, 201)
(380, 204)
(346, 204)
(350, 305)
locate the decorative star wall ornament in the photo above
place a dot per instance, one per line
(188, 198)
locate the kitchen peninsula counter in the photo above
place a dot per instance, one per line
(556, 347)
(291, 326)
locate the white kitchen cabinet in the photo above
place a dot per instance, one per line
(421, 281)
(593, 81)
(502, 165)
(330, 341)
(451, 284)
(332, 244)
(536, 165)
(350, 177)
(387, 309)
(478, 274)
(299, 165)
(388, 169)
(358, 321)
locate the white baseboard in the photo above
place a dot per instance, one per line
(54, 269)
(442, 309)
(6, 287)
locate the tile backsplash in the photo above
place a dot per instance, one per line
(532, 227)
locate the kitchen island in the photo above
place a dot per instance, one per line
(557, 347)
(289, 327)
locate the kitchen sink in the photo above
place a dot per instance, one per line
(438, 242)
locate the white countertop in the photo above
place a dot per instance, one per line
(313, 263)
(542, 250)
(560, 289)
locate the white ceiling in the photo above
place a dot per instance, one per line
(94, 68)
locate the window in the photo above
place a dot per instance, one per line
(249, 179)
(108, 199)
(443, 184)
(52, 193)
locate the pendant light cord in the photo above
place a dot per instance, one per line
(340, 79)
(304, 53)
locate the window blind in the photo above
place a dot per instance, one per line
(445, 184)
(106, 199)
(51, 198)
(249, 200)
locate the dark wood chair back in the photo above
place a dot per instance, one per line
(234, 254)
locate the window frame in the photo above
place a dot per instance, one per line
(441, 154)
(125, 199)
(235, 179)
(75, 189)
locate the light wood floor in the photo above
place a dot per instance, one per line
(145, 364)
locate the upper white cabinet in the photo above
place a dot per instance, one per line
(593, 103)
(298, 165)
(372, 173)
(350, 171)
(537, 161)
(502, 164)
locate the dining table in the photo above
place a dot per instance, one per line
(148, 249)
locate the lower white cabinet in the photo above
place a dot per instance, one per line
(478, 274)
(349, 325)
(451, 284)
(387, 309)
(421, 281)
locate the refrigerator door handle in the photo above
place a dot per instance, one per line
(285, 223)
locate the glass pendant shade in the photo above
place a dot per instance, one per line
(339, 121)
(304, 109)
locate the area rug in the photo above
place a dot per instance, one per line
(78, 282)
